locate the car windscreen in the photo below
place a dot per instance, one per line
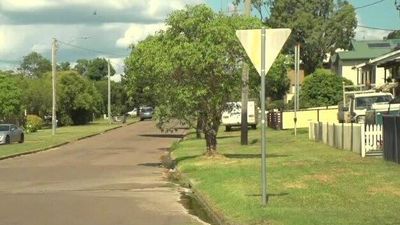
(4, 128)
(364, 102)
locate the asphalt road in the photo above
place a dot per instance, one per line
(109, 179)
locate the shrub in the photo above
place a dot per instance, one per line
(33, 123)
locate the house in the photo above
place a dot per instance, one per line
(292, 89)
(389, 63)
(342, 63)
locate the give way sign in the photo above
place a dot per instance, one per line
(274, 41)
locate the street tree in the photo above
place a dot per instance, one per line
(322, 88)
(393, 35)
(320, 27)
(277, 82)
(78, 99)
(64, 66)
(10, 98)
(37, 95)
(95, 69)
(34, 65)
(195, 65)
(118, 96)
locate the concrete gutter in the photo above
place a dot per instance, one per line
(63, 143)
(216, 217)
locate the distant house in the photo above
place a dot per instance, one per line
(292, 89)
(343, 63)
(389, 63)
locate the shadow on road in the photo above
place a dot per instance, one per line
(163, 135)
(150, 164)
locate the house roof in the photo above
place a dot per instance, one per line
(369, 49)
(382, 59)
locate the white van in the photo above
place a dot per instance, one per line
(233, 117)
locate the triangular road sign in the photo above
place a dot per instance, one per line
(274, 41)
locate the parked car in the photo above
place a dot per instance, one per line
(146, 113)
(11, 133)
(133, 112)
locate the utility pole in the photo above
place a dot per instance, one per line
(296, 84)
(245, 91)
(109, 93)
(53, 73)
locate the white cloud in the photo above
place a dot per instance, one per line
(30, 25)
(138, 32)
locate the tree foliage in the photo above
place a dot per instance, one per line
(192, 67)
(393, 35)
(78, 99)
(118, 96)
(10, 98)
(35, 65)
(95, 69)
(320, 26)
(322, 88)
(277, 82)
(37, 95)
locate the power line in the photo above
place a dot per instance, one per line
(91, 50)
(376, 28)
(368, 5)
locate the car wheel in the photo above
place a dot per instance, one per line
(254, 126)
(228, 128)
(8, 141)
(141, 119)
(22, 139)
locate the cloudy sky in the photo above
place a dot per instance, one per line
(110, 26)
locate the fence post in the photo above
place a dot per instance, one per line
(396, 145)
(363, 140)
(351, 136)
(342, 136)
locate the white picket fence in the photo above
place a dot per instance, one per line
(372, 139)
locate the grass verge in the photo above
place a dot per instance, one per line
(44, 140)
(308, 182)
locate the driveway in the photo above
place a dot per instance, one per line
(112, 179)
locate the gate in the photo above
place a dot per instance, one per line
(372, 140)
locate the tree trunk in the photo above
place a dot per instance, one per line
(199, 128)
(210, 133)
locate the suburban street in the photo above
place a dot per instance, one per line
(113, 178)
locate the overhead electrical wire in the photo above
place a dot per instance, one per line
(91, 50)
(375, 28)
(368, 5)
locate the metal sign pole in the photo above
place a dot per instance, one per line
(263, 141)
(295, 91)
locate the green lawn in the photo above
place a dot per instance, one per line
(308, 183)
(43, 138)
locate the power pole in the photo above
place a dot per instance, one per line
(296, 83)
(245, 91)
(53, 73)
(109, 93)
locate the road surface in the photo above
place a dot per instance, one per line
(109, 179)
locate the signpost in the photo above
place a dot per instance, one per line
(263, 46)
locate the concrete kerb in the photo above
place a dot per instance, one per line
(61, 144)
(217, 218)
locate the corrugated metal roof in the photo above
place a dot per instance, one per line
(369, 49)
